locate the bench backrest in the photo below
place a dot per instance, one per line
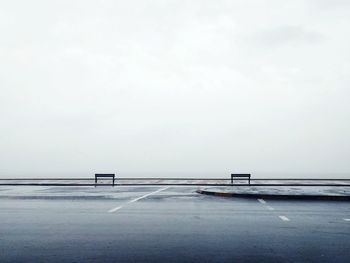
(240, 175)
(104, 175)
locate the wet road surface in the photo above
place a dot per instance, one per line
(166, 224)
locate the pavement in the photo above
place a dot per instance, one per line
(166, 224)
(280, 192)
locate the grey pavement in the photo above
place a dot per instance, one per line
(284, 190)
(159, 224)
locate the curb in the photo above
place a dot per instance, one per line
(278, 197)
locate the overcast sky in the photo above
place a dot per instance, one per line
(174, 87)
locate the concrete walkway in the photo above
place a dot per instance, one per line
(280, 192)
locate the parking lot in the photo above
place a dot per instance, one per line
(166, 224)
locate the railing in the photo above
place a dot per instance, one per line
(247, 176)
(175, 182)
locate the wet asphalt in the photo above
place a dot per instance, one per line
(159, 224)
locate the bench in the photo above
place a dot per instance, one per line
(245, 176)
(104, 176)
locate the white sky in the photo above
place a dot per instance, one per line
(174, 87)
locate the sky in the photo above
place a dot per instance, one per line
(168, 87)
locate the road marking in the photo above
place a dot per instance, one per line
(137, 199)
(146, 195)
(262, 201)
(284, 218)
(114, 209)
(346, 219)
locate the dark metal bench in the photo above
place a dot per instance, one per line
(246, 176)
(104, 176)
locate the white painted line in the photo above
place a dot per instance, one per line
(284, 218)
(347, 219)
(137, 199)
(144, 196)
(262, 201)
(114, 209)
